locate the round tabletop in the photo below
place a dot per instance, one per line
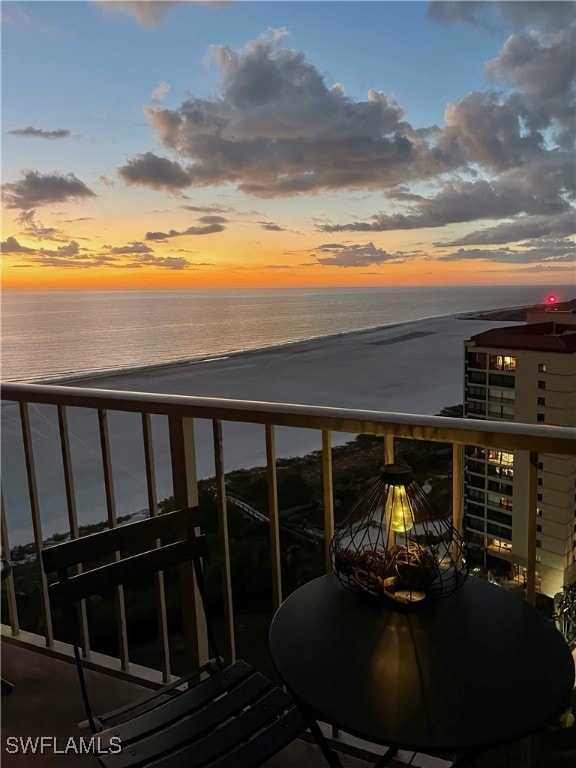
(477, 669)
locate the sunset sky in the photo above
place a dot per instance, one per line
(191, 144)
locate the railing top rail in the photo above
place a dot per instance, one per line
(495, 434)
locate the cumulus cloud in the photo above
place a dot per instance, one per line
(158, 94)
(271, 227)
(37, 189)
(165, 262)
(513, 144)
(277, 129)
(522, 228)
(539, 189)
(148, 13)
(132, 248)
(36, 229)
(73, 256)
(493, 14)
(150, 170)
(552, 252)
(69, 255)
(39, 133)
(353, 255)
(206, 208)
(542, 71)
(209, 225)
(547, 268)
(11, 245)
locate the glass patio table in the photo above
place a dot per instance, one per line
(475, 670)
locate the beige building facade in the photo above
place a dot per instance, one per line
(523, 373)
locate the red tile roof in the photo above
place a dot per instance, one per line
(539, 337)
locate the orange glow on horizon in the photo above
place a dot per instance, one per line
(240, 257)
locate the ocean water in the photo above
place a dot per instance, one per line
(52, 334)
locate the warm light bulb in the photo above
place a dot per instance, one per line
(398, 510)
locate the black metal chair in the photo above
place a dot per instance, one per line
(235, 718)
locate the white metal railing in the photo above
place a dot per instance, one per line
(180, 412)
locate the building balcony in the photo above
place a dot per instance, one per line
(66, 445)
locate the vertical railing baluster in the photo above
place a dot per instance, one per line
(458, 495)
(111, 511)
(458, 487)
(532, 523)
(274, 516)
(224, 542)
(388, 449)
(159, 576)
(328, 496)
(72, 516)
(9, 581)
(36, 522)
(183, 458)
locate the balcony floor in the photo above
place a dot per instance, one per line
(46, 701)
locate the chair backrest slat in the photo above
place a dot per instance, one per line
(129, 570)
(125, 537)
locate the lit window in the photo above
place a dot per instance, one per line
(502, 363)
(542, 368)
(500, 544)
(501, 457)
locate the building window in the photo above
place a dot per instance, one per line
(476, 359)
(542, 368)
(502, 363)
(539, 528)
(501, 411)
(541, 401)
(540, 465)
(541, 384)
(539, 417)
(499, 517)
(501, 395)
(501, 380)
(499, 487)
(503, 458)
(539, 497)
(503, 472)
(540, 481)
(502, 502)
(475, 525)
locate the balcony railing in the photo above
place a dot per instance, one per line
(180, 412)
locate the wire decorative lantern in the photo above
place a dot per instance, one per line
(393, 547)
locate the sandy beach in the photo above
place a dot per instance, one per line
(412, 367)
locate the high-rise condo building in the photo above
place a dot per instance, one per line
(524, 373)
